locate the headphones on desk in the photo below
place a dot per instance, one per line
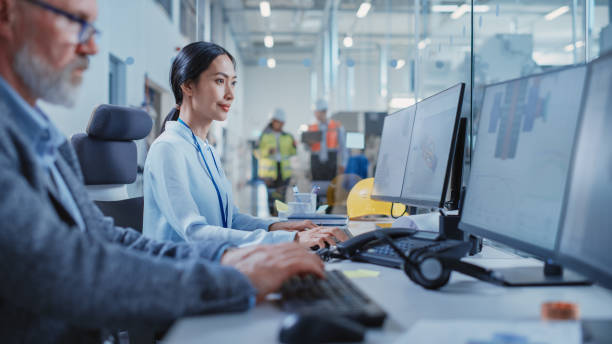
(431, 270)
(423, 266)
(426, 269)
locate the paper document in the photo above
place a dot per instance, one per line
(492, 332)
(321, 209)
(321, 219)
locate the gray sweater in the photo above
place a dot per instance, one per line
(59, 284)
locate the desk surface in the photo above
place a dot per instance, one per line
(405, 303)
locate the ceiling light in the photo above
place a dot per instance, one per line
(400, 63)
(481, 8)
(264, 8)
(271, 63)
(571, 47)
(363, 10)
(348, 41)
(460, 11)
(556, 13)
(269, 41)
(443, 8)
(422, 44)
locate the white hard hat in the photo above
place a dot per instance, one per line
(278, 114)
(321, 105)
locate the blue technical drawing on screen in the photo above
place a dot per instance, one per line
(515, 109)
(522, 155)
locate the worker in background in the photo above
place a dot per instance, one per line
(328, 156)
(274, 149)
(357, 164)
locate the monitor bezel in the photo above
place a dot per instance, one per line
(392, 198)
(535, 250)
(441, 202)
(583, 267)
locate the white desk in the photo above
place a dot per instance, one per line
(406, 302)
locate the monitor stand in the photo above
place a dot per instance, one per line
(552, 274)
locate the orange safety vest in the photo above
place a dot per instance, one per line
(332, 135)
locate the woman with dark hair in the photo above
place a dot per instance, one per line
(186, 193)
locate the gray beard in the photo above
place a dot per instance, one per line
(45, 82)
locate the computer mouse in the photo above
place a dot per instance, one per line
(321, 328)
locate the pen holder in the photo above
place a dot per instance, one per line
(300, 208)
(304, 203)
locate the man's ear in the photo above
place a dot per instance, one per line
(186, 88)
(7, 18)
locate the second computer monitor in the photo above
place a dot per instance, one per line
(432, 148)
(587, 224)
(521, 160)
(392, 155)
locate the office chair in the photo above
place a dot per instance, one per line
(107, 154)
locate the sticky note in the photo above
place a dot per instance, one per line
(280, 206)
(361, 273)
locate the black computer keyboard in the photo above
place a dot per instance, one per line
(333, 296)
(382, 254)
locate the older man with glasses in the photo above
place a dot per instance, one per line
(68, 274)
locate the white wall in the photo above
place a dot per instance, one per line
(234, 150)
(286, 86)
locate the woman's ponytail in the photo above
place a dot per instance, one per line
(173, 115)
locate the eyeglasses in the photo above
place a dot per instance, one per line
(87, 29)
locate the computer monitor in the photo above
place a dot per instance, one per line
(393, 154)
(432, 147)
(586, 230)
(520, 165)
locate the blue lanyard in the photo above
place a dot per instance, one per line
(224, 212)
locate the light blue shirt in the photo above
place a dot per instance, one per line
(180, 201)
(45, 140)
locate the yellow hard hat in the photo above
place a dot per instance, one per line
(360, 204)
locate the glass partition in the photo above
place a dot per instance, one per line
(367, 58)
(512, 39)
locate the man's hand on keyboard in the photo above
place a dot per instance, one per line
(321, 237)
(292, 226)
(269, 266)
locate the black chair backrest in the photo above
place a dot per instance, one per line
(107, 154)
